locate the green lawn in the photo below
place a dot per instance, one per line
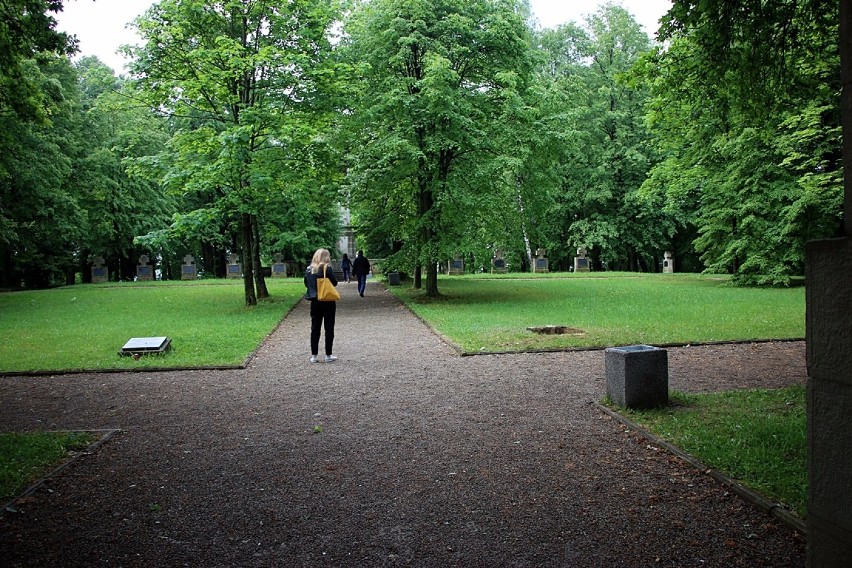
(84, 326)
(492, 314)
(26, 457)
(758, 437)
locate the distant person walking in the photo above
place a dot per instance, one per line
(346, 266)
(322, 313)
(360, 269)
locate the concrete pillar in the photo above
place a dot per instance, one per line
(829, 345)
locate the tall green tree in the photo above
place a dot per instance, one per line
(28, 28)
(435, 77)
(252, 76)
(744, 108)
(119, 201)
(609, 155)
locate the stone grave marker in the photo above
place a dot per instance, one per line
(100, 273)
(581, 263)
(188, 270)
(498, 263)
(279, 269)
(456, 266)
(235, 269)
(540, 262)
(144, 272)
(668, 263)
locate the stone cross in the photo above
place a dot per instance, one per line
(279, 269)
(235, 270)
(498, 263)
(668, 263)
(143, 271)
(540, 263)
(100, 273)
(188, 271)
(581, 263)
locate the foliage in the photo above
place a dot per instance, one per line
(246, 84)
(28, 32)
(607, 157)
(758, 437)
(435, 76)
(745, 109)
(449, 127)
(486, 314)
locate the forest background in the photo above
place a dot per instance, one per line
(446, 127)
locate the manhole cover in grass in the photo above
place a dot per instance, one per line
(556, 330)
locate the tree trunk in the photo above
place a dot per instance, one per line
(248, 273)
(259, 279)
(426, 237)
(526, 235)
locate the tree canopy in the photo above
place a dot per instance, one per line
(447, 127)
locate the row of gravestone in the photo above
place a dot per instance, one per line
(581, 263)
(188, 271)
(498, 263)
(145, 272)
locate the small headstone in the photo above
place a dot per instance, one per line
(540, 262)
(279, 269)
(235, 269)
(188, 270)
(100, 273)
(393, 279)
(498, 263)
(456, 266)
(581, 263)
(668, 263)
(144, 272)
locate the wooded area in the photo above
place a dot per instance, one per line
(446, 127)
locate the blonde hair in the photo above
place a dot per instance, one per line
(322, 256)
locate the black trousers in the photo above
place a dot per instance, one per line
(322, 313)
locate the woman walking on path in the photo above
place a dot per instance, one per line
(361, 268)
(322, 313)
(346, 266)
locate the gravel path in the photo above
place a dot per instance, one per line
(400, 453)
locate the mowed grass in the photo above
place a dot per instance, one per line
(26, 457)
(83, 327)
(758, 437)
(481, 314)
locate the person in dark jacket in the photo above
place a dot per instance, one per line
(322, 313)
(346, 266)
(360, 269)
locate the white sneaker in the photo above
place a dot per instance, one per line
(313, 358)
(330, 358)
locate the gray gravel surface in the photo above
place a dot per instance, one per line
(401, 453)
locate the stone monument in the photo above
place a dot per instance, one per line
(235, 269)
(144, 272)
(637, 376)
(581, 263)
(188, 270)
(279, 269)
(540, 262)
(456, 266)
(668, 263)
(498, 263)
(100, 273)
(828, 272)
